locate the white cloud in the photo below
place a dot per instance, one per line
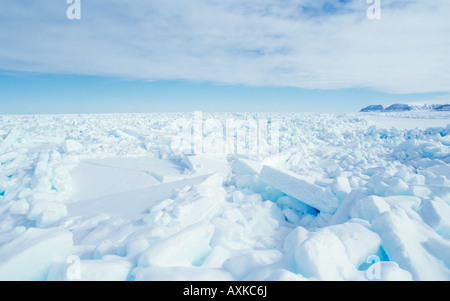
(319, 44)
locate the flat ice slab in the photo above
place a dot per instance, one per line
(404, 122)
(96, 178)
(301, 188)
(130, 204)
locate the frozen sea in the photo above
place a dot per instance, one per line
(105, 197)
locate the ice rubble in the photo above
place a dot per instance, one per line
(103, 197)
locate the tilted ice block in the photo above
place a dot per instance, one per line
(443, 192)
(323, 256)
(301, 188)
(359, 242)
(403, 201)
(333, 252)
(445, 140)
(397, 187)
(10, 138)
(436, 213)
(411, 243)
(295, 238)
(30, 256)
(246, 167)
(41, 165)
(19, 207)
(420, 191)
(369, 207)
(341, 187)
(184, 248)
(37, 207)
(439, 248)
(8, 157)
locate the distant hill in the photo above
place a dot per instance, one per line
(443, 108)
(373, 108)
(406, 107)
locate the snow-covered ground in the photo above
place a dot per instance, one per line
(106, 197)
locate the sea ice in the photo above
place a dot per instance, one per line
(361, 196)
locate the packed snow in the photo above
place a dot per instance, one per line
(362, 196)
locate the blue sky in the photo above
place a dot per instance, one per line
(42, 94)
(235, 55)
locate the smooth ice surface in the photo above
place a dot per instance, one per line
(186, 248)
(405, 238)
(361, 196)
(30, 256)
(301, 188)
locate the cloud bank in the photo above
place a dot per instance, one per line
(312, 44)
